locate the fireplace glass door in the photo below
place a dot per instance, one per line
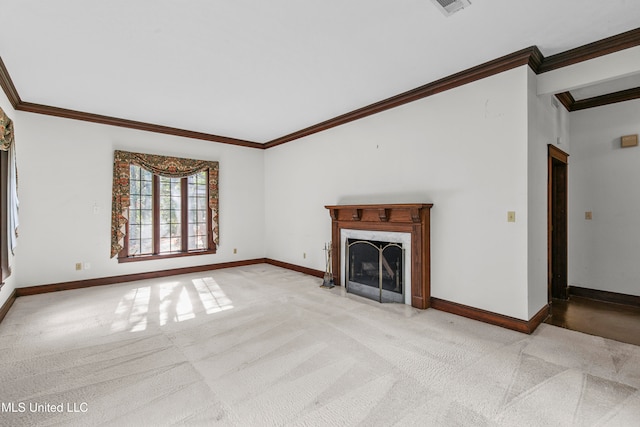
(375, 270)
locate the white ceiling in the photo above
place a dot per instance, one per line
(258, 70)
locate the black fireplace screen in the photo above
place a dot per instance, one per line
(375, 270)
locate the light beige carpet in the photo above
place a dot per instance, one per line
(261, 345)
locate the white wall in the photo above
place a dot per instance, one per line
(66, 169)
(10, 283)
(465, 150)
(548, 124)
(604, 253)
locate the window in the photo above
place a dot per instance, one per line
(163, 207)
(167, 215)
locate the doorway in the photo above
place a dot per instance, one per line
(557, 224)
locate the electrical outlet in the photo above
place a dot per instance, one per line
(304, 255)
(78, 266)
(511, 216)
(588, 215)
(235, 250)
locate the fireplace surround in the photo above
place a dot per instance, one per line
(410, 219)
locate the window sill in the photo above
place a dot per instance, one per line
(164, 256)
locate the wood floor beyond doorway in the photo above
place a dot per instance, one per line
(609, 320)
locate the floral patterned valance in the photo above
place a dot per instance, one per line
(6, 131)
(174, 167)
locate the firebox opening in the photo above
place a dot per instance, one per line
(375, 270)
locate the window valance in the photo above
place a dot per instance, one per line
(175, 167)
(6, 131)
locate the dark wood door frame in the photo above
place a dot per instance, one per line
(557, 223)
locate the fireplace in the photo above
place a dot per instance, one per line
(382, 252)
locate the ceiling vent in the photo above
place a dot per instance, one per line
(449, 7)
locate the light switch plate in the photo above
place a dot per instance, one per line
(511, 216)
(588, 215)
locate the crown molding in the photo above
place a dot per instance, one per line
(526, 56)
(8, 87)
(592, 50)
(597, 101)
(14, 98)
(131, 124)
(566, 99)
(530, 56)
(610, 98)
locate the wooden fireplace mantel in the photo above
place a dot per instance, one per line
(411, 218)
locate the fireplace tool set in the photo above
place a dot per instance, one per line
(328, 272)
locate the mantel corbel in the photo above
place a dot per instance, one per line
(415, 214)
